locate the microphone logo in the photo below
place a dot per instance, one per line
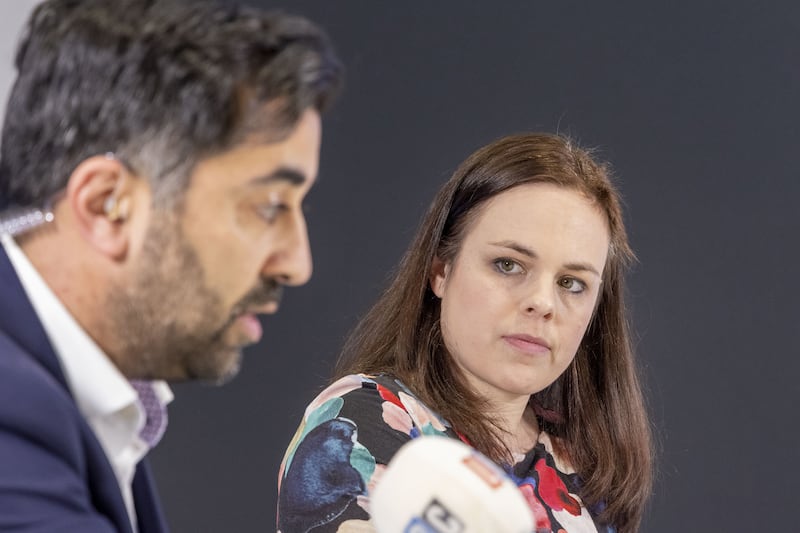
(486, 470)
(436, 518)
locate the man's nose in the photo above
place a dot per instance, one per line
(291, 261)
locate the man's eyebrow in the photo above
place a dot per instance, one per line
(290, 175)
(585, 267)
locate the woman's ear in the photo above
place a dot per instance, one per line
(99, 194)
(438, 276)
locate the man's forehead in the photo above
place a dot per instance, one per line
(266, 122)
(292, 161)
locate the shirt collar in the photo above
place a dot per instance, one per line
(98, 387)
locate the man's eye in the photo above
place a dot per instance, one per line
(507, 266)
(271, 212)
(572, 285)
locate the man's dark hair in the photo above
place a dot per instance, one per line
(160, 83)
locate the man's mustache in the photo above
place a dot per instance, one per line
(267, 292)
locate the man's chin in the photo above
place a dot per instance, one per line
(215, 368)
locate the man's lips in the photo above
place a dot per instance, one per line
(249, 322)
(251, 326)
(268, 308)
(528, 344)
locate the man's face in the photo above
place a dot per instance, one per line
(201, 276)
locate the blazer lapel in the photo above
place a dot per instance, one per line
(148, 509)
(19, 322)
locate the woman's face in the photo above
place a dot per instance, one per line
(517, 299)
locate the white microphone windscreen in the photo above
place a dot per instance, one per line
(441, 485)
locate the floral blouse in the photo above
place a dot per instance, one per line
(351, 431)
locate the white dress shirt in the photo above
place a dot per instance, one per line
(103, 395)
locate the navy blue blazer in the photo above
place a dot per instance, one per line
(54, 475)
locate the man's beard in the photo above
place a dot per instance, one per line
(167, 322)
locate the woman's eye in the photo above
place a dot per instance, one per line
(507, 266)
(572, 285)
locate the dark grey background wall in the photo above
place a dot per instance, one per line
(697, 107)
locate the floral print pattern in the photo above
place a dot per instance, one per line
(352, 430)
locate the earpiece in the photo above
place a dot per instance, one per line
(115, 210)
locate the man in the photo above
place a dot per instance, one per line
(155, 156)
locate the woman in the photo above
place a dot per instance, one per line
(504, 327)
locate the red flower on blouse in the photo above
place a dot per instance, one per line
(553, 491)
(389, 396)
(539, 512)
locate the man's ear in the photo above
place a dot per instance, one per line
(438, 276)
(100, 196)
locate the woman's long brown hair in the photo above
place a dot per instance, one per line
(595, 408)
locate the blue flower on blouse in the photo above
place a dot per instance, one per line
(321, 482)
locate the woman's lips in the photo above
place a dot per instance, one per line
(528, 344)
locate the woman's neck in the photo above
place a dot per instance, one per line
(518, 422)
(511, 414)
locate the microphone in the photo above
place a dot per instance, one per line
(440, 485)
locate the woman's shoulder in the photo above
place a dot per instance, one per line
(356, 395)
(340, 388)
(364, 389)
